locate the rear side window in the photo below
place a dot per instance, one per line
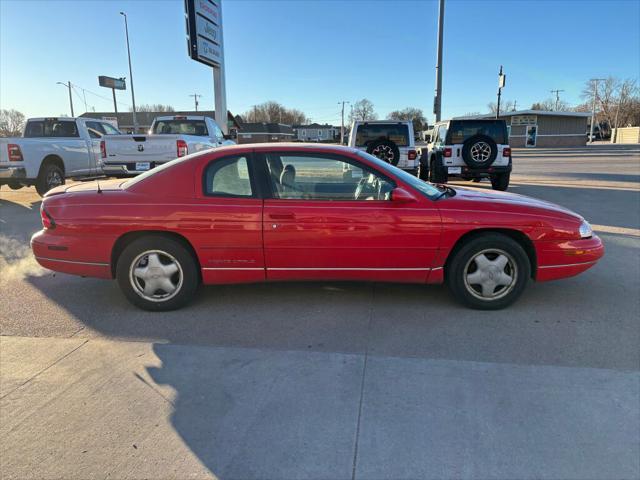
(51, 128)
(370, 132)
(228, 177)
(459, 132)
(181, 127)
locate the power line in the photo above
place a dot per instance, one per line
(195, 99)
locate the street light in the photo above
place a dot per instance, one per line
(133, 97)
(68, 85)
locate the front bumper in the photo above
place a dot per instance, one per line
(13, 173)
(567, 258)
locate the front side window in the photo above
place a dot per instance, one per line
(367, 133)
(110, 129)
(228, 177)
(317, 177)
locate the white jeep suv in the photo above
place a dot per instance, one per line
(389, 140)
(468, 148)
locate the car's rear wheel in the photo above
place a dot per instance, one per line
(488, 272)
(50, 176)
(157, 273)
(500, 181)
(437, 174)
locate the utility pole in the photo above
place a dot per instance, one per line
(557, 92)
(342, 122)
(68, 85)
(133, 97)
(515, 104)
(593, 108)
(195, 99)
(502, 78)
(437, 101)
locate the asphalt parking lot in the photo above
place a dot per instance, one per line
(333, 380)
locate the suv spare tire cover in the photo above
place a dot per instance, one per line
(385, 150)
(479, 151)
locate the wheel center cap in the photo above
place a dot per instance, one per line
(155, 272)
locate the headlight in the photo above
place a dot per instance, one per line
(585, 230)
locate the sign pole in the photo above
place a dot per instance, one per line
(115, 106)
(219, 83)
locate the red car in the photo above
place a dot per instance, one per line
(282, 212)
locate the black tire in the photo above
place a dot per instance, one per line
(479, 151)
(50, 176)
(437, 173)
(186, 278)
(423, 171)
(463, 265)
(500, 181)
(14, 186)
(385, 150)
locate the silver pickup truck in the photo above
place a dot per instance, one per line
(169, 137)
(52, 150)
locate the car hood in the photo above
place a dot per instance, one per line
(490, 200)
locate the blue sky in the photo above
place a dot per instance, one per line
(311, 54)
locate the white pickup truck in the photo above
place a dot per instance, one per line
(169, 137)
(53, 149)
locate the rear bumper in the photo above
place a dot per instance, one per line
(72, 255)
(126, 169)
(479, 172)
(568, 258)
(13, 173)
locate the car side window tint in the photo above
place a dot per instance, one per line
(317, 177)
(228, 177)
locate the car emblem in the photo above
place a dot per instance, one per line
(141, 148)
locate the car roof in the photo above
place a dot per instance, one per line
(316, 147)
(394, 122)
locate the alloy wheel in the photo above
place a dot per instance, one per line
(480, 152)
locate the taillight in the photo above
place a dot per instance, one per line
(447, 152)
(103, 149)
(506, 152)
(15, 155)
(412, 155)
(47, 220)
(181, 146)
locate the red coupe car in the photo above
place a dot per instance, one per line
(282, 212)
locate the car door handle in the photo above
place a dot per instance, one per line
(282, 216)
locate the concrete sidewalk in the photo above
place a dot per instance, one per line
(84, 408)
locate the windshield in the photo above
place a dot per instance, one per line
(425, 188)
(181, 127)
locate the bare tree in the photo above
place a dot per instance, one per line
(11, 123)
(156, 107)
(550, 105)
(616, 99)
(506, 106)
(362, 110)
(413, 114)
(274, 112)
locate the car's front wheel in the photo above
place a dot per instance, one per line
(157, 273)
(488, 272)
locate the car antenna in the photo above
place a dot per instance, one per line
(99, 189)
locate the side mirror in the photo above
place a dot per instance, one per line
(400, 195)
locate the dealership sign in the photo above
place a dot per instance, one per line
(204, 31)
(110, 82)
